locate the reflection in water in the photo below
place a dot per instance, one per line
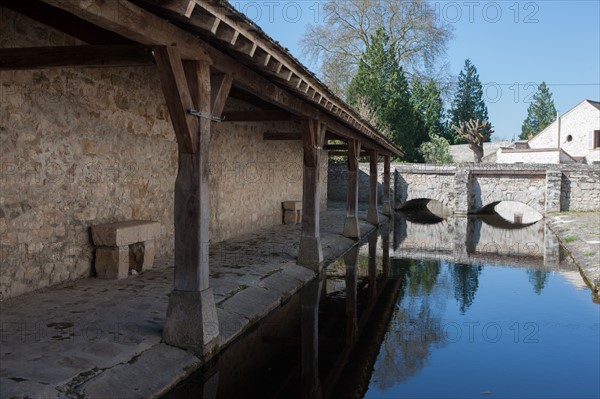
(387, 322)
(538, 279)
(465, 280)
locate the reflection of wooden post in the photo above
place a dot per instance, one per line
(191, 320)
(310, 297)
(373, 214)
(386, 208)
(351, 228)
(351, 260)
(310, 253)
(372, 265)
(385, 246)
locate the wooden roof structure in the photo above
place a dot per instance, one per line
(206, 51)
(122, 32)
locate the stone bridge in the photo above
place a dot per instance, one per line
(471, 188)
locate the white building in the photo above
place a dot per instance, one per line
(573, 137)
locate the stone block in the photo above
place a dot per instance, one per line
(290, 217)
(125, 233)
(112, 263)
(141, 256)
(292, 205)
(192, 321)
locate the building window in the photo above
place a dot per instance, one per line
(596, 138)
(569, 138)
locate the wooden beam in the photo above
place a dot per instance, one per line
(130, 21)
(345, 153)
(351, 226)
(257, 116)
(221, 87)
(282, 136)
(191, 321)
(177, 96)
(74, 56)
(310, 253)
(66, 22)
(336, 147)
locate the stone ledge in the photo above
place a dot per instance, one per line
(125, 233)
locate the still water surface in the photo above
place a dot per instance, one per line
(454, 309)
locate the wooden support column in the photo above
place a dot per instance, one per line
(373, 214)
(387, 208)
(351, 227)
(310, 254)
(191, 321)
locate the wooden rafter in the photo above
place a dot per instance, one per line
(66, 22)
(257, 116)
(74, 56)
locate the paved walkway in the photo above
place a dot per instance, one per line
(579, 233)
(102, 338)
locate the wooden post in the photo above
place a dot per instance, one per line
(386, 209)
(373, 214)
(310, 254)
(351, 227)
(191, 320)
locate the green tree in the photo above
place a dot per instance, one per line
(468, 101)
(427, 100)
(381, 85)
(540, 114)
(337, 43)
(436, 150)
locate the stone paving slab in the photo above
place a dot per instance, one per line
(579, 233)
(72, 340)
(165, 366)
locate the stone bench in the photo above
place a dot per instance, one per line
(292, 212)
(124, 246)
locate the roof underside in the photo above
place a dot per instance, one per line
(224, 28)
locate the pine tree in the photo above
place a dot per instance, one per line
(381, 83)
(468, 101)
(540, 113)
(427, 100)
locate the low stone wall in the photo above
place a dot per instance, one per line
(469, 187)
(337, 184)
(580, 189)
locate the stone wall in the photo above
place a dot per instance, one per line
(580, 189)
(84, 146)
(337, 185)
(466, 188)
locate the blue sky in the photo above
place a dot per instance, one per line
(512, 44)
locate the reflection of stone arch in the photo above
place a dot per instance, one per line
(532, 196)
(422, 203)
